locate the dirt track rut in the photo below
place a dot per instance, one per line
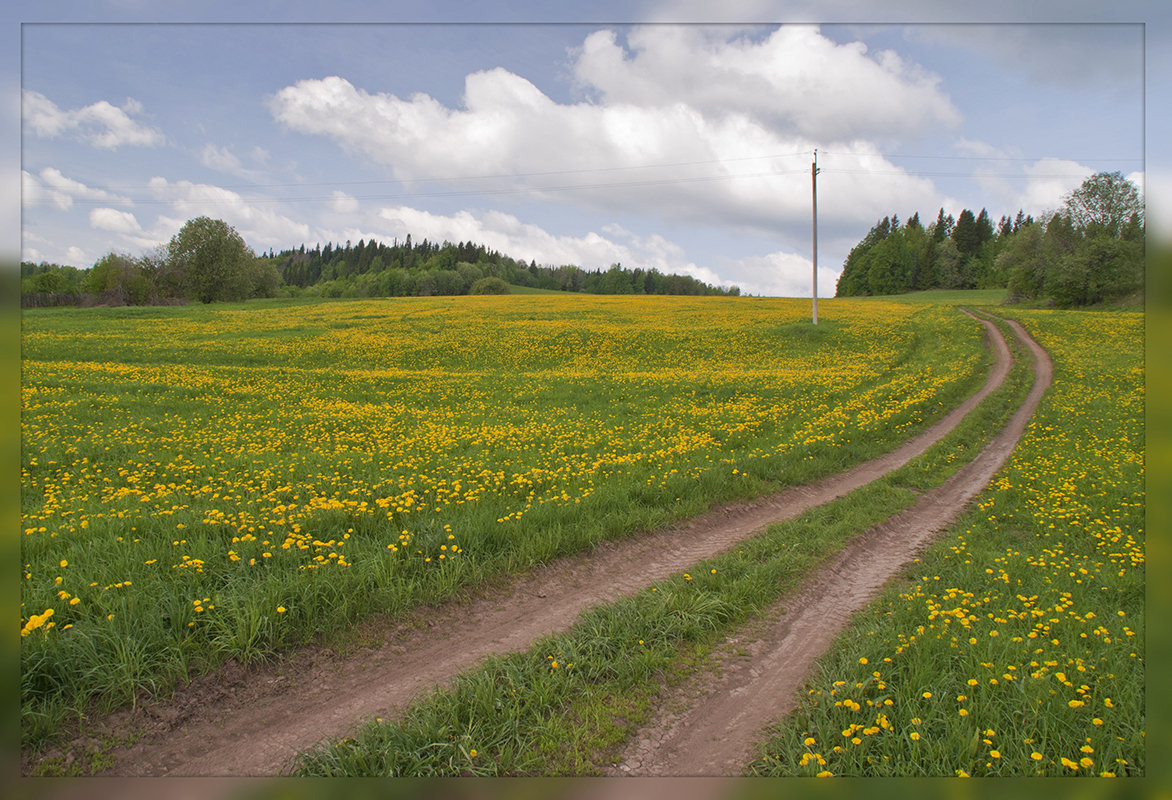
(716, 734)
(254, 722)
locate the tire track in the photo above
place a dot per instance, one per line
(255, 722)
(717, 733)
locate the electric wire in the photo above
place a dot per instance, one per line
(183, 190)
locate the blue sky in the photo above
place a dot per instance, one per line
(587, 134)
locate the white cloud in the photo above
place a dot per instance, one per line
(794, 80)
(721, 168)
(260, 226)
(223, 159)
(75, 255)
(101, 124)
(343, 203)
(780, 274)
(1039, 189)
(220, 158)
(51, 187)
(109, 219)
(1049, 181)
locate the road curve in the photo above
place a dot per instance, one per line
(254, 722)
(717, 733)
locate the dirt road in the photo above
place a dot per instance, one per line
(715, 735)
(252, 722)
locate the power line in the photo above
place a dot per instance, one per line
(939, 174)
(981, 158)
(561, 187)
(501, 176)
(452, 193)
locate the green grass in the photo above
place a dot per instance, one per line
(568, 704)
(515, 289)
(1016, 646)
(216, 482)
(949, 297)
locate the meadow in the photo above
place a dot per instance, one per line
(1016, 645)
(1013, 647)
(570, 703)
(218, 482)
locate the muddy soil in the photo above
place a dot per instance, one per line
(724, 714)
(251, 721)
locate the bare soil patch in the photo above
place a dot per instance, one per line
(251, 721)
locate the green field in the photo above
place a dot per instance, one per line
(568, 704)
(221, 482)
(1017, 645)
(224, 481)
(1014, 647)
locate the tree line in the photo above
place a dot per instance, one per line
(1090, 251)
(208, 261)
(376, 269)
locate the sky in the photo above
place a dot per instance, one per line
(659, 135)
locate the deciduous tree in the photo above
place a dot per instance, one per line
(210, 261)
(1105, 203)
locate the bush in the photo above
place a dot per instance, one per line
(489, 285)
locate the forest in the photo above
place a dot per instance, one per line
(1090, 251)
(208, 261)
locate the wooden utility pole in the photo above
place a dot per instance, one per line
(814, 187)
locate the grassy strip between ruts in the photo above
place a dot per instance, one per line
(1016, 647)
(566, 705)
